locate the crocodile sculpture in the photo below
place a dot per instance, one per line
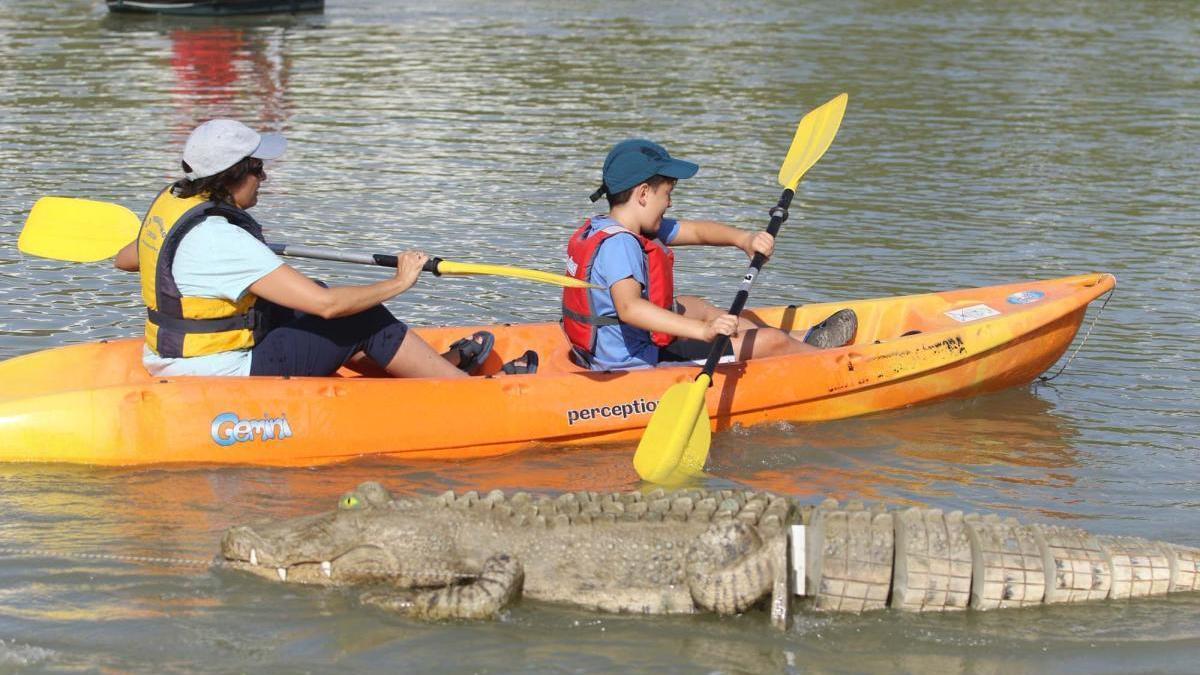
(467, 556)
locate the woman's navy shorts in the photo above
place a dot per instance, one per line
(306, 345)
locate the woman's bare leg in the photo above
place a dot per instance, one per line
(416, 358)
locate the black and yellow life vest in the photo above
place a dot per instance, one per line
(183, 326)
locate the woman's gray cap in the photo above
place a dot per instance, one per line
(217, 145)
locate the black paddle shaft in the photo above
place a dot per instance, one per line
(778, 215)
(431, 265)
(379, 259)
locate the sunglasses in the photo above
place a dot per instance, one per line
(256, 168)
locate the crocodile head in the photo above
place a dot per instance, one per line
(357, 542)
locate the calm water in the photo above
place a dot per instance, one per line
(982, 145)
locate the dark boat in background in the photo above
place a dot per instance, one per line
(213, 7)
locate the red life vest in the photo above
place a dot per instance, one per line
(579, 317)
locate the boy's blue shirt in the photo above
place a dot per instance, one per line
(621, 257)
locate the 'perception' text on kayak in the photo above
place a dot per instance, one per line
(620, 410)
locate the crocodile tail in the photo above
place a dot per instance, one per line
(729, 569)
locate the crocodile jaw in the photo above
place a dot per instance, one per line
(301, 550)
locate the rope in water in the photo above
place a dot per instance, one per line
(1107, 297)
(138, 559)
(13, 552)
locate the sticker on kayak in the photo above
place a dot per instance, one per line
(618, 410)
(972, 313)
(1025, 297)
(228, 428)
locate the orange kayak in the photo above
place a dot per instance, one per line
(95, 404)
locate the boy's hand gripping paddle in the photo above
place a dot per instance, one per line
(675, 443)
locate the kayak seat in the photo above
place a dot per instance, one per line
(581, 359)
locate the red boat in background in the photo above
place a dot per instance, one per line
(213, 7)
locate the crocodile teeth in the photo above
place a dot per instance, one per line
(253, 557)
(282, 572)
(327, 568)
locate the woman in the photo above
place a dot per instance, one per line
(220, 302)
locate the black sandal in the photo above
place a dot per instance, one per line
(473, 351)
(529, 367)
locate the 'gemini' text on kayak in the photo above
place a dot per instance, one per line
(228, 428)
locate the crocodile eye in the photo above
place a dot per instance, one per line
(348, 502)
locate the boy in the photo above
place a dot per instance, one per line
(633, 318)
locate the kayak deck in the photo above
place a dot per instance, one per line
(94, 403)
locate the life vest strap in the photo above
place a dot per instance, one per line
(590, 320)
(238, 322)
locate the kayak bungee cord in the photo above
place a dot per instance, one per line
(1107, 297)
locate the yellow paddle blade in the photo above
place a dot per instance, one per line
(447, 267)
(79, 230)
(813, 137)
(676, 441)
(694, 455)
(695, 452)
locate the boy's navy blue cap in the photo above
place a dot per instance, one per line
(637, 160)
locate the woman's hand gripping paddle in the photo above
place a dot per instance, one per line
(82, 230)
(675, 443)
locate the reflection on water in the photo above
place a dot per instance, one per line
(216, 66)
(983, 144)
(922, 454)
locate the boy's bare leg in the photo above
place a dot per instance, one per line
(698, 308)
(752, 340)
